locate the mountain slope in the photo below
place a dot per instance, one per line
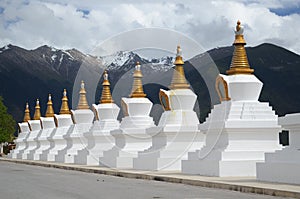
(29, 74)
(276, 67)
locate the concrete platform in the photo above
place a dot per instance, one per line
(241, 184)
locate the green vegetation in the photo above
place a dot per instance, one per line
(7, 124)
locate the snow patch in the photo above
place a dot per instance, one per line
(53, 57)
(4, 49)
(53, 49)
(69, 54)
(61, 58)
(117, 59)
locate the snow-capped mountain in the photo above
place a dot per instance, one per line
(123, 60)
(32, 74)
(26, 75)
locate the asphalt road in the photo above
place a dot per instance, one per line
(34, 182)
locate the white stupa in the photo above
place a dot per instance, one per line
(48, 126)
(99, 138)
(35, 127)
(131, 137)
(177, 131)
(83, 120)
(64, 126)
(21, 141)
(240, 129)
(283, 165)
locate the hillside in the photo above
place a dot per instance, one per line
(29, 74)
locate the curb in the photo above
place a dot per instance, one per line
(164, 178)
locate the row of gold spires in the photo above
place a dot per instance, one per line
(178, 82)
(82, 104)
(49, 111)
(239, 65)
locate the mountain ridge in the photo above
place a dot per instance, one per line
(30, 74)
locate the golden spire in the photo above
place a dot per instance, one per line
(49, 111)
(27, 113)
(64, 105)
(137, 87)
(82, 104)
(239, 62)
(179, 80)
(37, 113)
(106, 94)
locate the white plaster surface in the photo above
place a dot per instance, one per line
(284, 165)
(131, 137)
(21, 142)
(176, 134)
(98, 137)
(238, 132)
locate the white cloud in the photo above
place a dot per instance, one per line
(63, 24)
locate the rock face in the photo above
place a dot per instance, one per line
(26, 75)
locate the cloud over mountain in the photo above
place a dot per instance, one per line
(85, 24)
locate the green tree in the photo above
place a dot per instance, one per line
(7, 124)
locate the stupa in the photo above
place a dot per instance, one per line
(177, 131)
(99, 138)
(21, 143)
(35, 127)
(83, 120)
(48, 126)
(131, 137)
(240, 129)
(283, 165)
(64, 126)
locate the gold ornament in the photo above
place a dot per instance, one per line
(239, 62)
(82, 104)
(27, 113)
(178, 79)
(64, 105)
(137, 86)
(37, 113)
(49, 111)
(106, 94)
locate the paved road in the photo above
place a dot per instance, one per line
(34, 182)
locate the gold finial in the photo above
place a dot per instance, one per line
(49, 111)
(239, 62)
(238, 26)
(82, 104)
(137, 87)
(37, 113)
(106, 94)
(64, 105)
(27, 113)
(178, 79)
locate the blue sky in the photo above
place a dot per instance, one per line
(286, 11)
(84, 24)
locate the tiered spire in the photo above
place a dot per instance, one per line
(179, 80)
(106, 94)
(37, 113)
(27, 113)
(64, 105)
(49, 111)
(137, 87)
(82, 104)
(239, 62)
